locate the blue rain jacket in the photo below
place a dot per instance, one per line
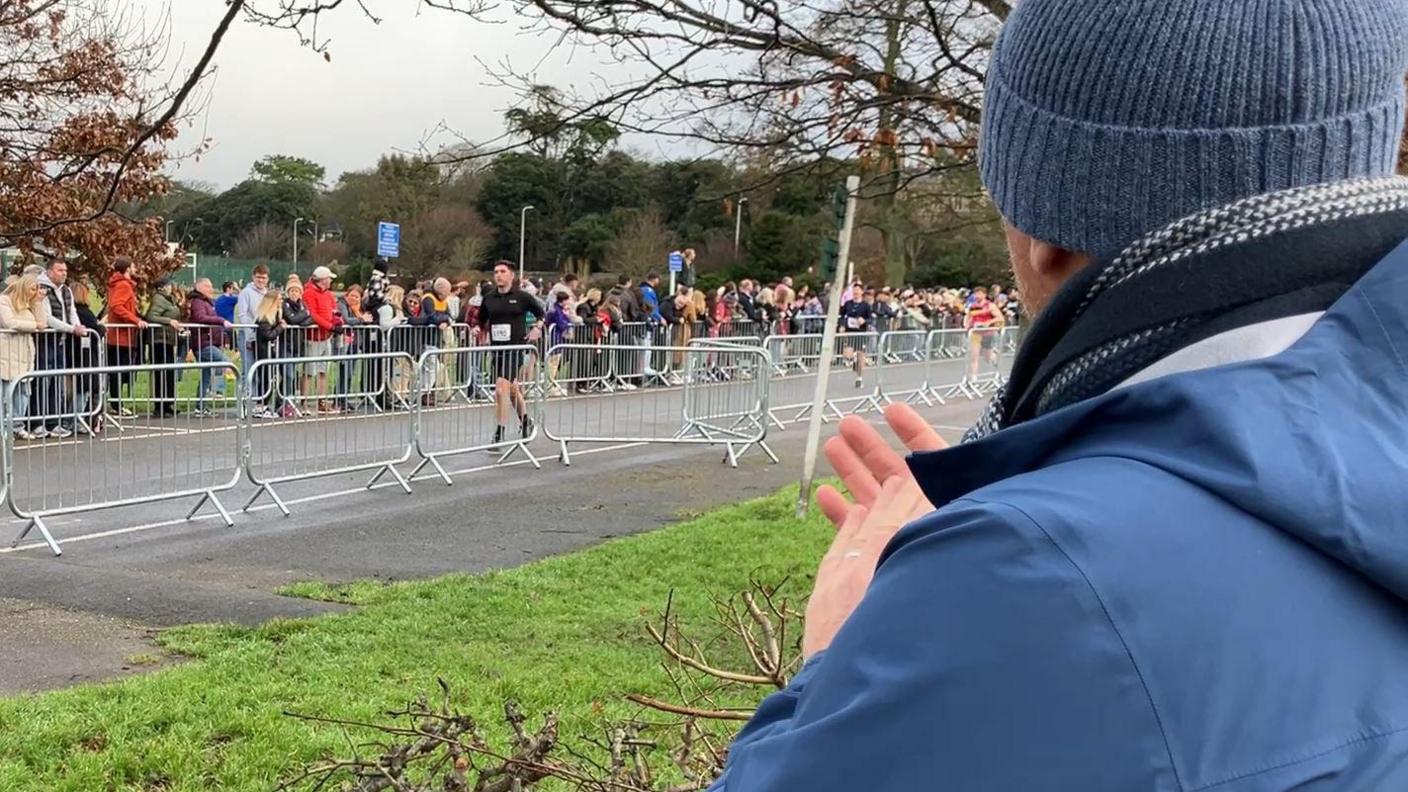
(1193, 583)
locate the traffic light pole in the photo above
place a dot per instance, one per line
(828, 348)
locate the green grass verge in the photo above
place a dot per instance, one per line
(561, 634)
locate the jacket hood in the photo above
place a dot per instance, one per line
(1313, 441)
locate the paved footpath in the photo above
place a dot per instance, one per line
(89, 614)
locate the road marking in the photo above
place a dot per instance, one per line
(291, 501)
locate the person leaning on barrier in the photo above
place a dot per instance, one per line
(59, 315)
(391, 318)
(322, 311)
(353, 343)
(559, 322)
(164, 314)
(1171, 555)
(293, 344)
(20, 322)
(268, 333)
(125, 327)
(85, 352)
(208, 342)
(251, 296)
(436, 318)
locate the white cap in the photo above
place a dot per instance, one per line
(322, 272)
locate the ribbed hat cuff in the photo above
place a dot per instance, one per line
(1097, 188)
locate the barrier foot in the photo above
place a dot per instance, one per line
(775, 421)
(731, 457)
(439, 470)
(273, 496)
(767, 450)
(35, 522)
(521, 445)
(562, 454)
(209, 496)
(396, 474)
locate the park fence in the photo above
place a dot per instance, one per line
(95, 425)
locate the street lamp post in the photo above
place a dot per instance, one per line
(522, 237)
(296, 221)
(738, 224)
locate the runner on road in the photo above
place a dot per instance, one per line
(856, 317)
(503, 319)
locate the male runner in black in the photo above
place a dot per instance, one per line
(503, 318)
(856, 317)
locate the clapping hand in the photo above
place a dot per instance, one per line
(886, 499)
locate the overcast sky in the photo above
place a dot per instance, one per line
(386, 88)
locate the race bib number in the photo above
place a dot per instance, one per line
(854, 322)
(500, 333)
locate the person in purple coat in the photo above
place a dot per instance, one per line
(208, 330)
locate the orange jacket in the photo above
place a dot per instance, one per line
(122, 310)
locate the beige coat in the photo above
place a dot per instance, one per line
(16, 348)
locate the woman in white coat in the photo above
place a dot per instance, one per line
(18, 324)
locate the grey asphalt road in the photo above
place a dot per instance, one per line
(128, 572)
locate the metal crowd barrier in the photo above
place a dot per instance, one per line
(981, 374)
(706, 410)
(714, 407)
(337, 441)
(904, 367)
(145, 432)
(465, 421)
(180, 446)
(856, 378)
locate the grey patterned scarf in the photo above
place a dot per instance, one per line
(1250, 222)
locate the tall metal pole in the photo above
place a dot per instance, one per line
(738, 225)
(522, 238)
(828, 348)
(168, 229)
(296, 221)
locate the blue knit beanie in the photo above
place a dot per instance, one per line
(1105, 120)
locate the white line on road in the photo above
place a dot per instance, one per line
(306, 499)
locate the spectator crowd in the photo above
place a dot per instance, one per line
(49, 322)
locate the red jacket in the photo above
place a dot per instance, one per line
(322, 306)
(122, 310)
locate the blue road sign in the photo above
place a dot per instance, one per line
(676, 261)
(388, 240)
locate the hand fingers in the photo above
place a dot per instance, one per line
(912, 430)
(853, 471)
(833, 504)
(849, 534)
(880, 459)
(899, 501)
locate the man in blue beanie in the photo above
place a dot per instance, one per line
(1174, 553)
